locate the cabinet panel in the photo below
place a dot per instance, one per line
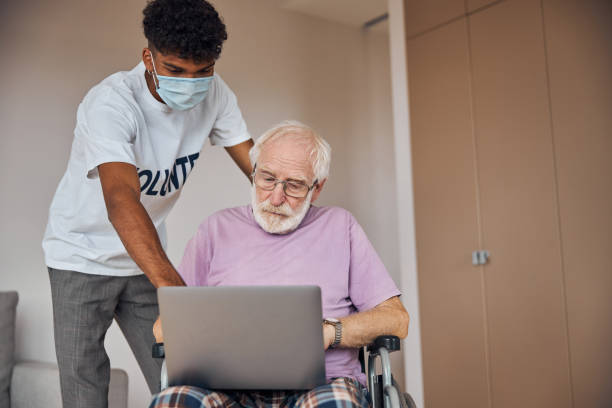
(579, 45)
(424, 14)
(451, 303)
(524, 280)
(476, 4)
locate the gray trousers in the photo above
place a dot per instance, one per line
(84, 306)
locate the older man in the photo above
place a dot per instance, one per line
(282, 239)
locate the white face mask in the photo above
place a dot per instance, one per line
(277, 224)
(181, 93)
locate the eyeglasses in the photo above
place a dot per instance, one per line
(291, 188)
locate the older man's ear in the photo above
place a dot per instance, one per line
(317, 190)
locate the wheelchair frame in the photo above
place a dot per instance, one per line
(384, 391)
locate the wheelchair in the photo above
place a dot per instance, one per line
(384, 391)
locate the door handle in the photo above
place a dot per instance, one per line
(480, 257)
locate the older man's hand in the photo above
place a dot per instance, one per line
(329, 334)
(157, 331)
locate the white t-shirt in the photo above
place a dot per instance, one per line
(120, 121)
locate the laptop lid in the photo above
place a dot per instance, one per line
(243, 338)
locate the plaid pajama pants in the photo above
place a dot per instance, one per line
(342, 392)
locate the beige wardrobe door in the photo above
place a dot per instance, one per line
(450, 288)
(425, 14)
(524, 281)
(473, 5)
(579, 45)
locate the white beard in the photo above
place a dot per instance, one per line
(278, 224)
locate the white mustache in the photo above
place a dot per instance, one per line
(283, 209)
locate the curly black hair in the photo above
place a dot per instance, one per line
(190, 29)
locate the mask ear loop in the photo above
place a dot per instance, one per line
(155, 80)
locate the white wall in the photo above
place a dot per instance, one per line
(405, 216)
(280, 64)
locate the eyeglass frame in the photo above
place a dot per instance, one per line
(284, 183)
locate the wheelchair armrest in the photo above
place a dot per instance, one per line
(391, 343)
(158, 350)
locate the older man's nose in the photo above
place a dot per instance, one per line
(278, 195)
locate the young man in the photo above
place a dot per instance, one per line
(137, 137)
(282, 239)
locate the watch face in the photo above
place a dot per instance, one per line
(332, 320)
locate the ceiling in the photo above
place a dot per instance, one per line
(350, 12)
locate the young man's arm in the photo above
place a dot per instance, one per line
(360, 329)
(121, 189)
(240, 154)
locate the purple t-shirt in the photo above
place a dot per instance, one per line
(328, 249)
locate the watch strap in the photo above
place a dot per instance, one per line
(337, 331)
(338, 338)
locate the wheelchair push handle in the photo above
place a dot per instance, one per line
(158, 350)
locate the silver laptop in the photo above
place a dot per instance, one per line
(243, 338)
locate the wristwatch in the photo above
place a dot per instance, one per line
(338, 327)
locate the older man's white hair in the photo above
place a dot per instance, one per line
(320, 152)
